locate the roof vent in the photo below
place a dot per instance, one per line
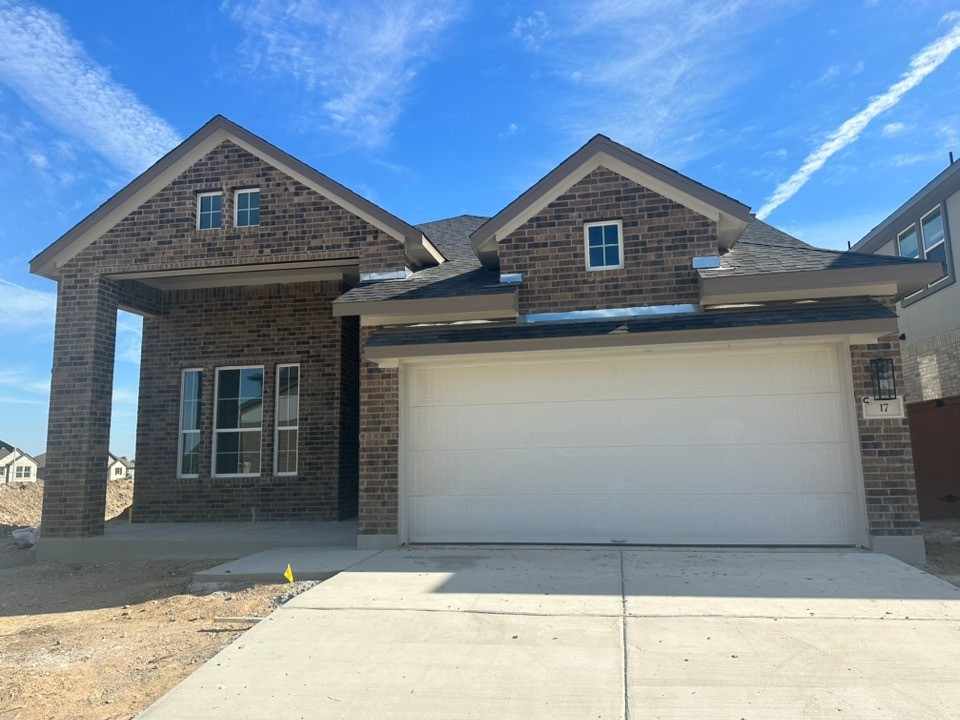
(393, 275)
(708, 262)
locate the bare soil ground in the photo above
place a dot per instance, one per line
(942, 538)
(103, 641)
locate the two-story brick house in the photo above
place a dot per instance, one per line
(621, 355)
(927, 226)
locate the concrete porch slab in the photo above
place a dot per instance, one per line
(196, 541)
(308, 563)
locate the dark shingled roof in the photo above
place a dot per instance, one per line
(763, 249)
(791, 314)
(461, 274)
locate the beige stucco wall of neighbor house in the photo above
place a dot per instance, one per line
(931, 352)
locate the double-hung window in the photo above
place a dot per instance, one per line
(209, 210)
(907, 243)
(934, 239)
(20, 470)
(190, 397)
(247, 208)
(288, 419)
(925, 240)
(603, 243)
(238, 421)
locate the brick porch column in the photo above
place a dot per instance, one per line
(81, 393)
(379, 453)
(887, 458)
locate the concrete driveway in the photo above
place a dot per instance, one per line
(558, 633)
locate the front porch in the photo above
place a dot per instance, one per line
(196, 540)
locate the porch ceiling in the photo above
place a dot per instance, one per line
(235, 275)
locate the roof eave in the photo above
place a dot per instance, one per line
(418, 249)
(897, 281)
(735, 215)
(863, 330)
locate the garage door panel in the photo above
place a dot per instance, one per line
(619, 378)
(662, 520)
(803, 418)
(734, 470)
(745, 447)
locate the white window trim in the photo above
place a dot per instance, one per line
(216, 403)
(276, 422)
(586, 244)
(236, 205)
(210, 194)
(180, 430)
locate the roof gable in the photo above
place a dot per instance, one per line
(170, 166)
(730, 215)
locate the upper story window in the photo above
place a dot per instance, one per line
(925, 240)
(907, 242)
(247, 208)
(934, 240)
(209, 210)
(603, 243)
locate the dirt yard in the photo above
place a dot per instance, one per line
(942, 538)
(103, 641)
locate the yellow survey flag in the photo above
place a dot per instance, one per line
(288, 574)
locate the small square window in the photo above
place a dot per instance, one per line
(209, 211)
(248, 208)
(603, 243)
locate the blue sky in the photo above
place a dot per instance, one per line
(824, 115)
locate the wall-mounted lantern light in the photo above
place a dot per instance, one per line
(884, 380)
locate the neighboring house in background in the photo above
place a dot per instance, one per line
(16, 465)
(118, 467)
(621, 355)
(41, 463)
(928, 226)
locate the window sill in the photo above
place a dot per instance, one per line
(928, 291)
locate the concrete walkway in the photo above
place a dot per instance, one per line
(595, 633)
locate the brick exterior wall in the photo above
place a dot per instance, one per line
(379, 446)
(660, 238)
(931, 368)
(885, 451)
(296, 223)
(267, 326)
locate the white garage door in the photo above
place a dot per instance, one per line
(716, 447)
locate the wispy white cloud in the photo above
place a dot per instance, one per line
(52, 72)
(532, 30)
(649, 74)
(22, 308)
(359, 59)
(921, 65)
(892, 129)
(24, 382)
